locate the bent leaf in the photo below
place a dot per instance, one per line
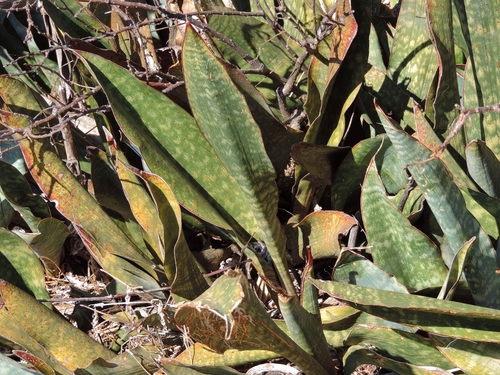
(229, 316)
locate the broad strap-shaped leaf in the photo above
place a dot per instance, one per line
(182, 271)
(199, 354)
(173, 367)
(111, 248)
(413, 60)
(257, 39)
(428, 137)
(337, 332)
(389, 96)
(352, 268)
(485, 209)
(34, 352)
(457, 223)
(480, 86)
(397, 247)
(172, 146)
(445, 318)
(109, 244)
(77, 20)
(358, 355)
(68, 345)
(350, 175)
(224, 118)
(410, 348)
(20, 266)
(229, 316)
(483, 167)
(474, 358)
(323, 69)
(444, 95)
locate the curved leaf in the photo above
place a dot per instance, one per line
(397, 247)
(457, 223)
(181, 158)
(352, 268)
(322, 231)
(473, 358)
(20, 266)
(445, 318)
(483, 167)
(229, 316)
(361, 355)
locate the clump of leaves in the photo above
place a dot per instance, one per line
(198, 109)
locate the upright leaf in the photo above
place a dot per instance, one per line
(220, 108)
(481, 86)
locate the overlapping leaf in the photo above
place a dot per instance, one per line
(397, 247)
(456, 222)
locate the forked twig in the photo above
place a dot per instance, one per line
(465, 114)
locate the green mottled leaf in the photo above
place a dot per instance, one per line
(349, 177)
(485, 209)
(199, 354)
(397, 247)
(480, 87)
(483, 167)
(77, 20)
(444, 93)
(399, 345)
(427, 136)
(48, 243)
(6, 211)
(172, 366)
(183, 157)
(258, 40)
(19, 194)
(20, 266)
(220, 108)
(455, 272)
(389, 96)
(456, 222)
(358, 355)
(413, 60)
(338, 331)
(132, 362)
(445, 318)
(474, 358)
(352, 268)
